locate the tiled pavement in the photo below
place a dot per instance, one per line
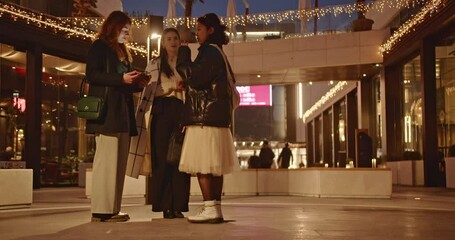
(411, 213)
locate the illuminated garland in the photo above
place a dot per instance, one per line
(42, 20)
(328, 96)
(74, 27)
(266, 18)
(307, 14)
(82, 27)
(87, 22)
(432, 7)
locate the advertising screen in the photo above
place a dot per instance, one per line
(260, 95)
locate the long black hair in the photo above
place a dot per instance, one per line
(164, 65)
(219, 36)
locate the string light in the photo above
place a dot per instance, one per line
(432, 7)
(328, 96)
(55, 83)
(85, 28)
(74, 27)
(307, 14)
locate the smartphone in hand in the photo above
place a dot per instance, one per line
(142, 79)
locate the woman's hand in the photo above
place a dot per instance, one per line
(130, 77)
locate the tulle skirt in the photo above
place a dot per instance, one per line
(208, 150)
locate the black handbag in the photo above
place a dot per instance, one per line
(90, 107)
(174, 150)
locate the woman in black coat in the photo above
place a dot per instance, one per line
(208, 149)
(111, 77)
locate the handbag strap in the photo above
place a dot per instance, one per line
(84, 81)
(228, 66)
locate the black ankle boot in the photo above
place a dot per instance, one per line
(169, 214)
(178, 214)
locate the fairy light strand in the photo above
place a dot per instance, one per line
(75, 27)
(85, 28)
(431, 8)
(307, 14)
(327, 97)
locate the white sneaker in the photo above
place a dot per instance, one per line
(218, 209)
(210, 213)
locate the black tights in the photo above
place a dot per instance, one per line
(211, 186)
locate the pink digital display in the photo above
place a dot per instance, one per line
(255, 95)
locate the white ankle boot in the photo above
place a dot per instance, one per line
(210, 213)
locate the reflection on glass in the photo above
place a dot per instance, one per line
(445, 95)
(341, 128)
(12, 105)
(412, 108)
(63, 142)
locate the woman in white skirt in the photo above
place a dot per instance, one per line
(208, 149)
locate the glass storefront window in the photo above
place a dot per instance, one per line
(377, 91)
(341, 132)
(63, 142)
(445, 95)
(412, 110)
(320, 138)
(12, 106)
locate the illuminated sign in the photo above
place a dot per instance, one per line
(260, 95)
(18, 103)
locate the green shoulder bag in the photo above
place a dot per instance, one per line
(90, 107)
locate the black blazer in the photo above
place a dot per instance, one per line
(120, 116)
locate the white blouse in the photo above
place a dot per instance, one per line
(168, 86)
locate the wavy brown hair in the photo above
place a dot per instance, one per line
(110, 30)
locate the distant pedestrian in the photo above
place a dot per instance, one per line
(285, 157)
(254, 161)
(266, 155)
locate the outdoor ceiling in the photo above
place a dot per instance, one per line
(285, 76)
(296, 75)
(63, 66)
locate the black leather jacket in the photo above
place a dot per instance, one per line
(207, 97)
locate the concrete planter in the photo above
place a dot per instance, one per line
(82, 167)
(16, 186)
(450, 172)
(132, 187)
(408, 172)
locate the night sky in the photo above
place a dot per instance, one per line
(159, 7)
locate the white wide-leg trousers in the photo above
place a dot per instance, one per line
(109, 167)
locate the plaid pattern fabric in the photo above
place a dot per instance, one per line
(139, 159)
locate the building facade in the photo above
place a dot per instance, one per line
(394, 108)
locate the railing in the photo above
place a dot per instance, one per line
(332, 19)
(327, 24)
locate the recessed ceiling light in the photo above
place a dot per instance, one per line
(258, 76)
(364, 75)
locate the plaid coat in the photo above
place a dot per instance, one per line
(139, 157)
